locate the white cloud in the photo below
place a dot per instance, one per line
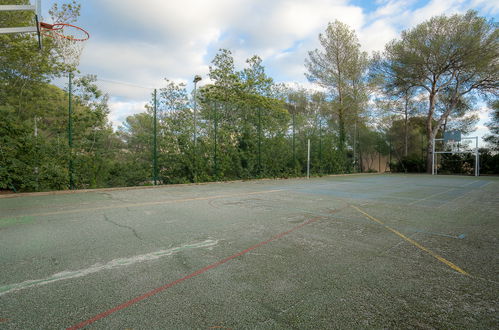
(491, 6)
(375, 36)
(434, 8)
(121, 110)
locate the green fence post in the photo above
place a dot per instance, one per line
(320, 146)
(70, 133)
(155, 146)
(216, 128)
(294, 153)
(260, 141)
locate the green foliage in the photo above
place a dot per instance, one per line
(409, 164)
(493, 138)
(447, 58)
(489, 162)
(340, 67)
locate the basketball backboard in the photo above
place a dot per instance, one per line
(35, 7)
(452, 136)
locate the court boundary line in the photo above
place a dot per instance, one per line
(191, 275)
(413, 242)
(122, 206)
(428, 197)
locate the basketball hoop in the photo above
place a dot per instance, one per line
(69, 40)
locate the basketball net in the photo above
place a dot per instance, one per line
(459, 146)
(69, 40)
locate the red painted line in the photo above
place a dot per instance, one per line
(196, 273)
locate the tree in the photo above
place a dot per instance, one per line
(33, 145)
(176, 125)
(452, 56)
(135, 158)
(242, 116)
(254, 78)
(493, 138)
(94, 139)
(340, 67)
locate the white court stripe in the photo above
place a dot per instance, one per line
(115, 263)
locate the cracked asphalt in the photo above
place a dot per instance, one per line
(359, 251)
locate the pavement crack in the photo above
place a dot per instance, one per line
(114, 198)
(122, 226)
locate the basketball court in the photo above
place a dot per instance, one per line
(338, 251)
(354, 251)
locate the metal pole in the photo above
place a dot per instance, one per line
(70, 133)
(294, 153)
(259, 140)
(354, 142)
(155, 145)
(320, 147)
(216, 128)
(308, 159)
(194, 165)
(433, 159)
(195, 81)
(37, 155)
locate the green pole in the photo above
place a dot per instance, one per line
(12, 187)
(216, 128)
(259, 140)
(155, 146)
(195, 158)
(70, 133)
(320, 146)
(294, 153)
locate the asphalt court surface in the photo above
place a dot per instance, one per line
(357, 251)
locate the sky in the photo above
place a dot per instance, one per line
(135, 44)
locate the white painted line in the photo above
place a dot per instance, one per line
(115, 263)
(428, 197)
(468, 184)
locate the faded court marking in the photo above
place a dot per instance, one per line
(115, 263)
(413, 242)
(126, 206)
(431, 196)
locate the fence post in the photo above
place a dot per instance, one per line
(294, 150)
(70, 132)
(308, 159)
(259, 140)
(155, 146)
(215, 133)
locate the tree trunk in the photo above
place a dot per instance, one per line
(341, 122)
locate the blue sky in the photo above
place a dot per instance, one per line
(141, 42)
